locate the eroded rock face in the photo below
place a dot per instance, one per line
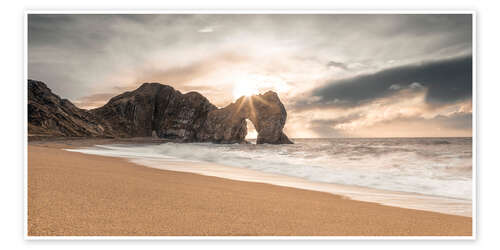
(51, 116)
(156, 107)
(266, 112)
(161, 111)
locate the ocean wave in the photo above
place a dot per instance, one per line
(392, 164)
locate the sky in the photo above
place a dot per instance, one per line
(338, 75)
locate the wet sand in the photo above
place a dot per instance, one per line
(74, 194)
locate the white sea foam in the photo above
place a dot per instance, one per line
(427, 166)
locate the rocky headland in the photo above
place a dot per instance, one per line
(157, 110)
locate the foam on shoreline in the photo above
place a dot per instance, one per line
(439, 204)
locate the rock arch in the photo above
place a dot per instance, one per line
(265, 111)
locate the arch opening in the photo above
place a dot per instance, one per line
(251, 131)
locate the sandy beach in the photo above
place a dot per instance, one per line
(74, 194)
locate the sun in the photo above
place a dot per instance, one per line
(244, 89)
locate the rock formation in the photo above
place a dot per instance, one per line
(49, 115)
(266, 112)
(158, 110)
(156, 107)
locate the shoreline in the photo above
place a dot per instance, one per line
(423, 202)
(396, 198)
(210, 205)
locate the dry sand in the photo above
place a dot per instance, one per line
(73, 194)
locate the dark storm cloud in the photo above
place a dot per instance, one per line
(67, 31)
(446, 81)
(419, 24)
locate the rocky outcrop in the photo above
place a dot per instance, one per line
(156, 108)
(161, 111)
(51, 116)
(266, 112)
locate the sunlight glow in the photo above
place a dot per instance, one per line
(244, 89)
(251, 132)
(251, 84)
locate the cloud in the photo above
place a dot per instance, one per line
(94, 101)
(456, 120)
(454, 124)
(405, 113)
(207, 29)
(87, 57)
(91, 49)
(446, 81)
(336, 121)
(417, 85)
(328, 127)
(181, 74)
(395, 87)
(337, 65)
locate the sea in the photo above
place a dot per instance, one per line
(434, 174)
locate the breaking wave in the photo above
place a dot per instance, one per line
(438, 167)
